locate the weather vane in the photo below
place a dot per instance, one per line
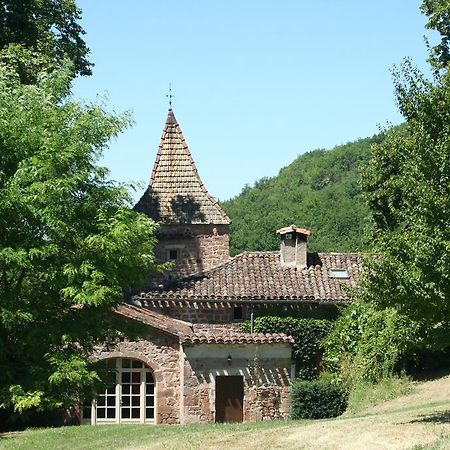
(170, 96)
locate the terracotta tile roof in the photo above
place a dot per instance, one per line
(156, 320)
(176, 193)
(254, 276)
(198, 334)
(208, 334)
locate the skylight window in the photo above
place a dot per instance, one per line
(338, 273)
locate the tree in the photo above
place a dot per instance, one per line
(69, 242)
(369, 343)
(47, 31)
(319, 190)
(438, 12)
(408, 190)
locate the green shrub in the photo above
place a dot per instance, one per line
(318, 399)
(370, 344)
(307, 334)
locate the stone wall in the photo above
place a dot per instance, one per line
(199, 247)
(185, 377)
(266, 372)
(197, 312)
(161, 352)
(294, 251)
(205, 312)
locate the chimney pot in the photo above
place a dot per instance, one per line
(293, 247)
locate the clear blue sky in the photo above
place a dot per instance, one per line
(256, 82)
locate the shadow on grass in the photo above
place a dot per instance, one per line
(441, 417)
(431, 375)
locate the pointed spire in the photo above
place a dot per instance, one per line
(171, 117)
(176, 193)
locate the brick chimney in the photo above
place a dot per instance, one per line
(293, 248)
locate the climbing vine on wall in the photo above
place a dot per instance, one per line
(307, 334)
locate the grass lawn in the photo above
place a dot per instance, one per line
(141, 436)
(418, 420)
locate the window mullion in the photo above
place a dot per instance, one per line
(142, 395)
(118, 390)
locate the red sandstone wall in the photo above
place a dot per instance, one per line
(199, 313)
(266, 386)
(266, 379)
(201, 246)
(161, 352)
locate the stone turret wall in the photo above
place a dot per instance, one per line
(198, 247)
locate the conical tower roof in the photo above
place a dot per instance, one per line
(176, 194)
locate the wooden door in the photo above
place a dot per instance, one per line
(229, 398)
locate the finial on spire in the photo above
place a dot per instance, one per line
(170, 96)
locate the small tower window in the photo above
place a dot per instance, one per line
(237, 313)
(173, 254)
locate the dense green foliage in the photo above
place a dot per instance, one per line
(318, 399)
(438, 12)
(403, 306)
(47, 32)
(370, 344)
(319, 190)
(69, 242)
(307, 334)
(407, 186)
(408, 190)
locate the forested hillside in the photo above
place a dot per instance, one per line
(319, 191)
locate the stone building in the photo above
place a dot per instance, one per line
(195, 230)
(195, 365)
(188, 373)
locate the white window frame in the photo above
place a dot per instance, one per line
(338, 273)
(93, 420)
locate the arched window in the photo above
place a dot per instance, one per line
(128, 395)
